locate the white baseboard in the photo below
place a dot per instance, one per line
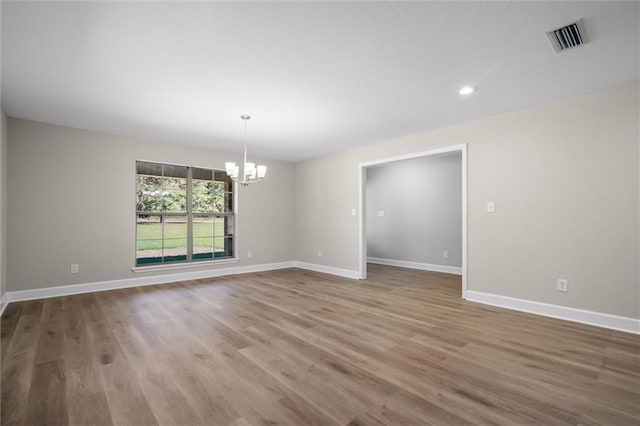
(3, 304)
(416, 265)
(614, 322)
(347, 273)
(65, 290)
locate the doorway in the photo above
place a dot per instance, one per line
(462, 149)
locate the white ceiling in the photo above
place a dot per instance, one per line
(316, 77)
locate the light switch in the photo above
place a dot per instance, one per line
(353, 212)
(491, 206)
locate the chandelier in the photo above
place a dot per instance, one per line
(250, 172)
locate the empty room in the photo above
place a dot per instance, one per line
(319, 213)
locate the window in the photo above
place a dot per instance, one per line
(183, 214)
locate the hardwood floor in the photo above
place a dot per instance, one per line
(297, 347)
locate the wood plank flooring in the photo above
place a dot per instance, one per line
(294, 347)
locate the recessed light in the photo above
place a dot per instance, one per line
(467, 90)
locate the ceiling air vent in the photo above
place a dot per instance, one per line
(567, 37)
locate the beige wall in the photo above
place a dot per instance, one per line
(3, 203)
(72, 200)
(564, 177)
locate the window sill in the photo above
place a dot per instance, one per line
(189, 265)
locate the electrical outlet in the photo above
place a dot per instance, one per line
(249, 253)
(380, 213)
(563, 285)
(445, 254)
(491, 206)
(319, 253)
(75, 268)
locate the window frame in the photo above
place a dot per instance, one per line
(190, 261)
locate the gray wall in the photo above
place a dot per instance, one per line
(422, 204)
(72, 200)
(564, 176)
(3, 203)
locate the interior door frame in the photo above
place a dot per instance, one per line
(362, 181)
